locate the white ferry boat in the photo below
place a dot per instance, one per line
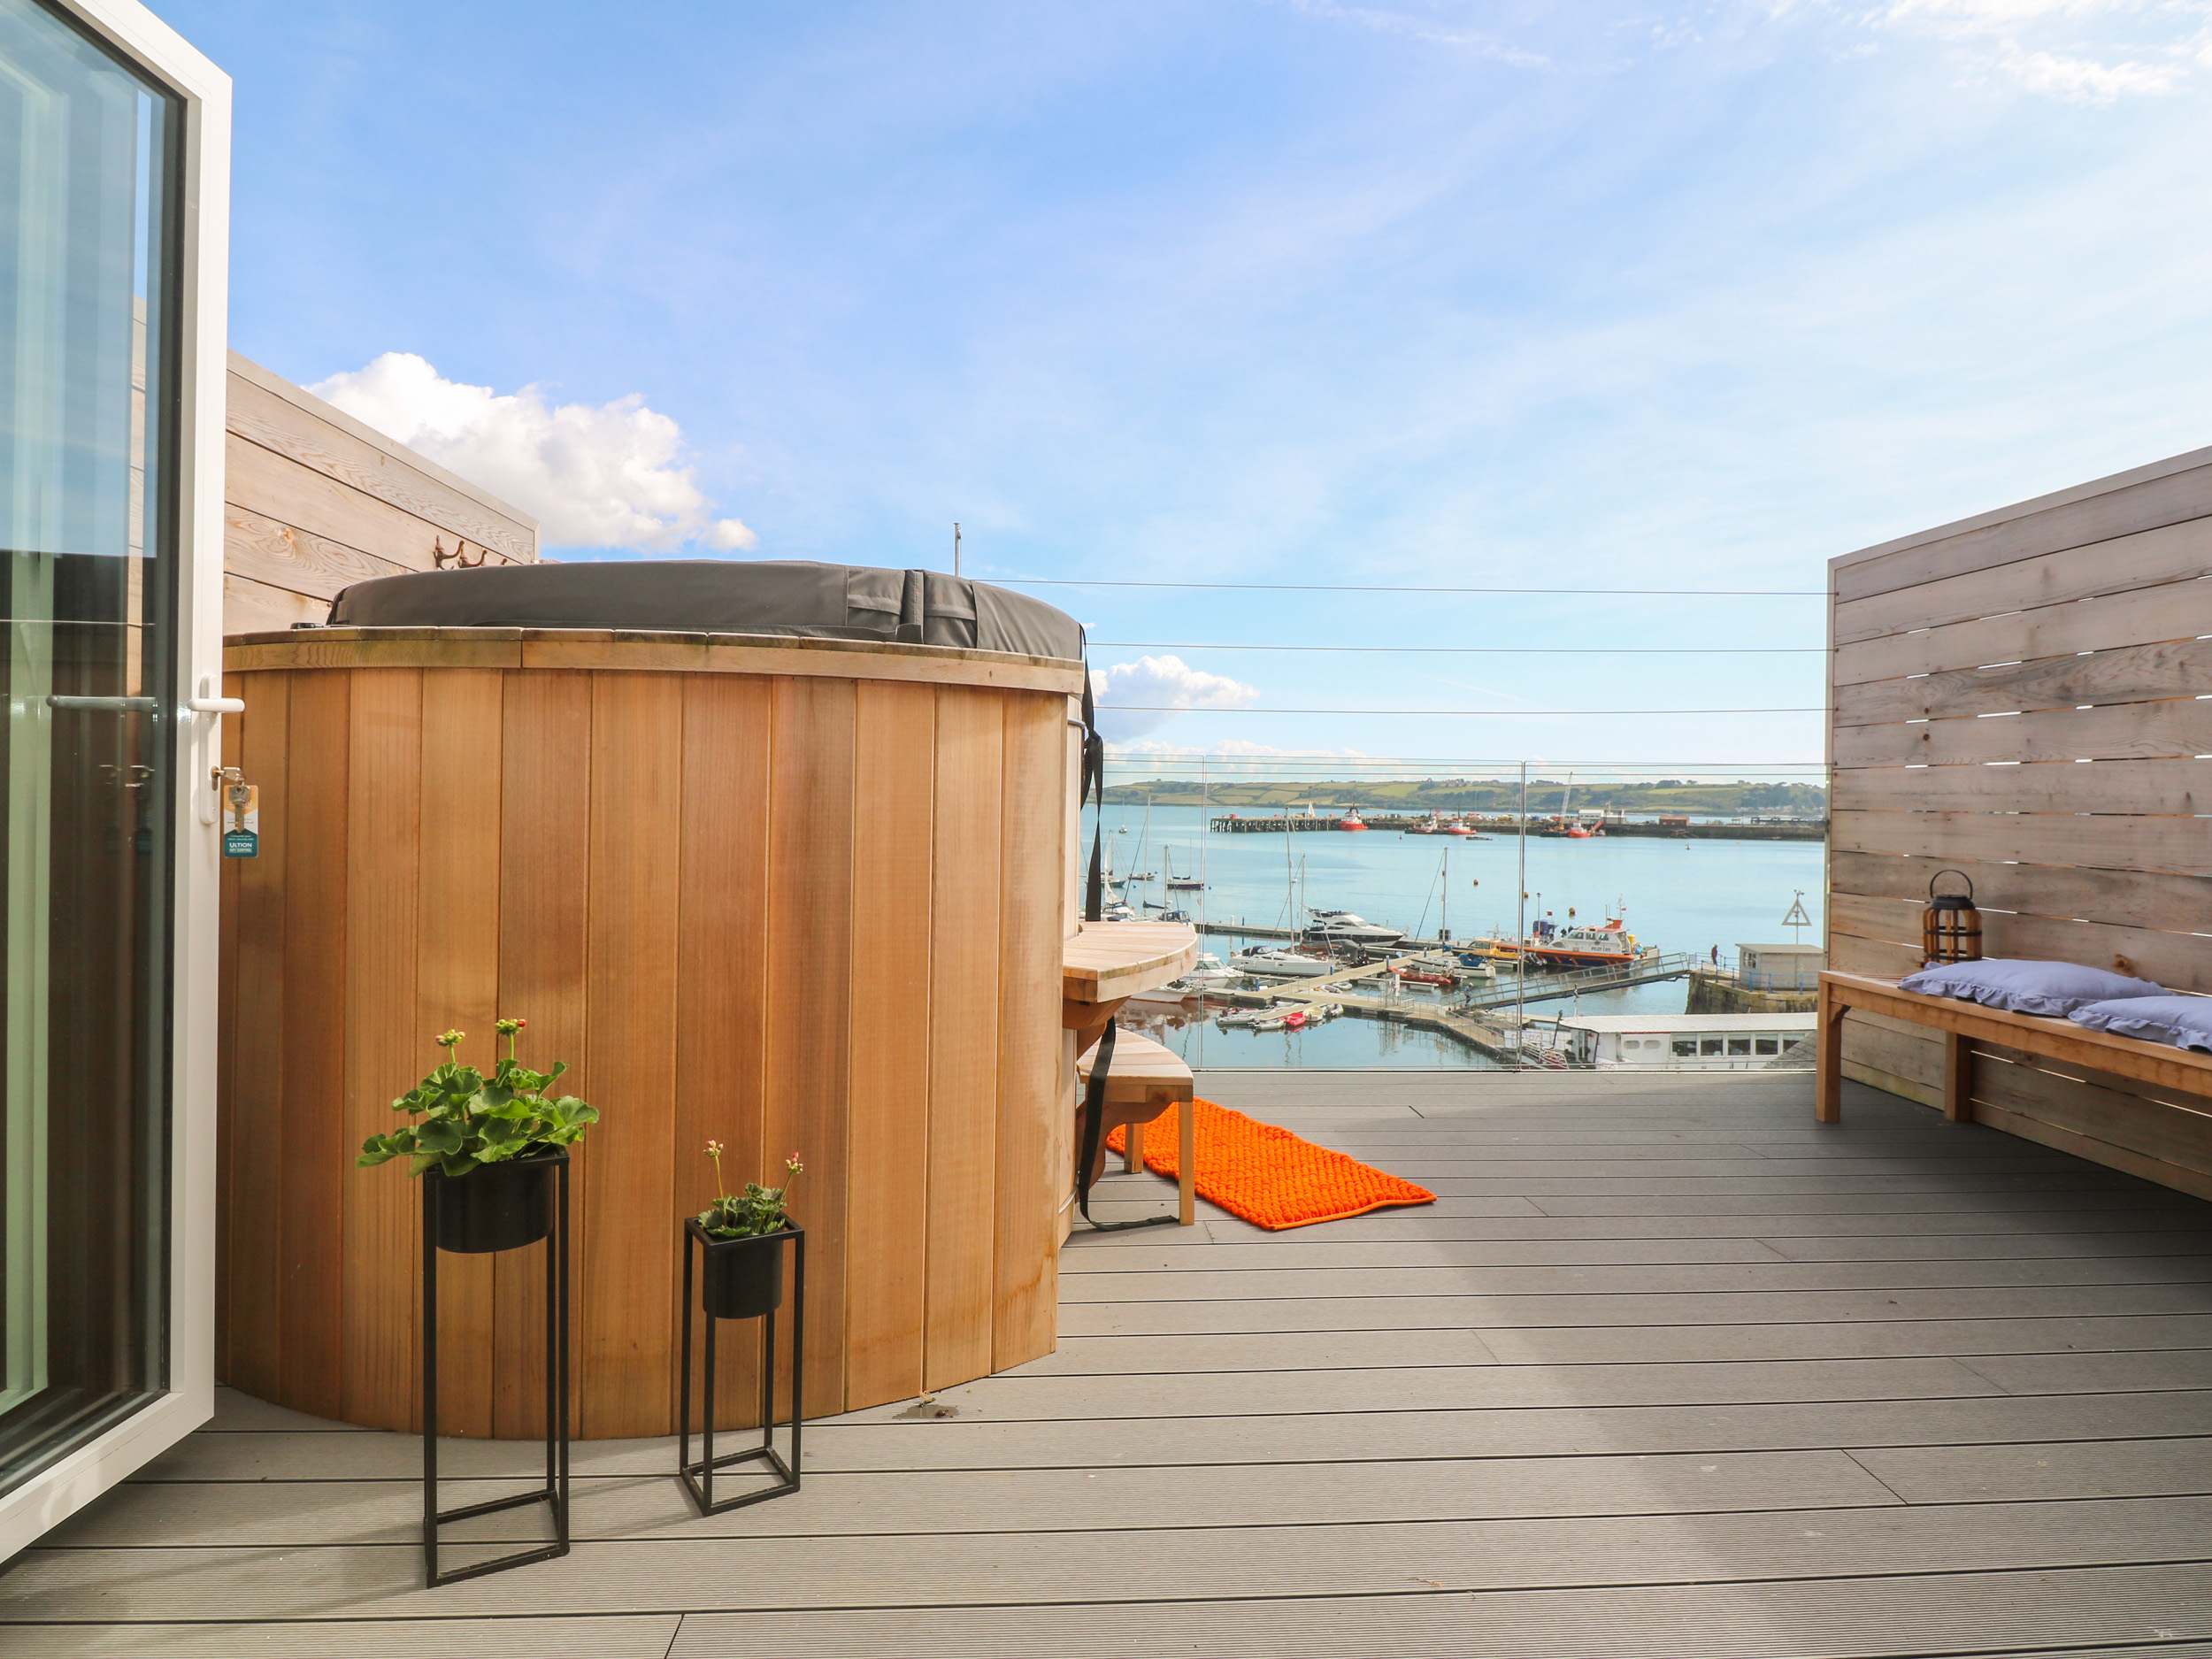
(1701, 1043)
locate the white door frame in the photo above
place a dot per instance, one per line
(56, 1493)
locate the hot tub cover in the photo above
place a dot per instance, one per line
(773, 596)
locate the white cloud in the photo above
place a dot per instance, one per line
(2084, 80)
(1160, 687)
(613, 476)
(1430, 24)
(1997, 37)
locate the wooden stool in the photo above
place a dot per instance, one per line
(1144, 1078)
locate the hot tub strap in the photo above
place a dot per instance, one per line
(1093, 1132)
(1094, 779)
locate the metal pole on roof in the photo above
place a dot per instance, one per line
(1520, 933)
(955, 547)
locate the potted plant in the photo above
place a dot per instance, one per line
(743, 1235)
(490, 1143)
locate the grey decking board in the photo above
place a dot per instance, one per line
(1930, 1617)
(1391, 1226)
(1203, 1281)
(697, 1573)
(2072, 1469)
(1289, 1438)
(1294, 1253)
(1961, 1338)
(611, 1636)
(1476, 1388)
(1185, 1406)
(2071, 1373)
(1104, 1497)
(1478, 1312)
(1163, 1356)
(1364, 1254)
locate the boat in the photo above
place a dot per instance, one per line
(1297, 1019)
(1351, 820)
(1280, 965)
(1239, 1018)
(1212, 971)
(1141, 875)
(1457, 826)
(1700, 1043)
(1418, 976)
(1425, 826)
(1210, 974)
(1610, 945)
(1180, 884)
(1341, 927)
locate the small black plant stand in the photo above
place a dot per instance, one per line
(555, 1491)
(698, 1478)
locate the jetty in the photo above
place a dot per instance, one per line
(1475, 1016)
(1493, 828)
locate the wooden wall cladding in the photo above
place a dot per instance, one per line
(785, 912)
(2027, 697)
(314, 500)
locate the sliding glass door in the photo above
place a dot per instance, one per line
(91, 191)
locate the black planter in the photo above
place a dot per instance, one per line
(743, 1279)
(497, 1207)
(744, 1276)
(494, 1206)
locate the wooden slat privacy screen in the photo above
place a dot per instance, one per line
(2027, 697)
(788, 911)
(313, 500)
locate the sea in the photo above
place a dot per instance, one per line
(1695, 896)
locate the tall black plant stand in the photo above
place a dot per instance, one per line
(698, 1478)
(554, 1492)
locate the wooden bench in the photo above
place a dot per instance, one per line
(1964, 1024)
(1144, 1078)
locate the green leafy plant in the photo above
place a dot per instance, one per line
(748, 1214)
(462, 1119)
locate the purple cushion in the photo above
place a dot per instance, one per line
(2184, 1021)
(2053, 989)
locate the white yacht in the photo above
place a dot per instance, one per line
(1282, 965)
(1210, 974)
(1341, 927)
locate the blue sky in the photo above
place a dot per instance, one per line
(1565, 296)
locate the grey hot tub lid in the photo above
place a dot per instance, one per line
(775, 596)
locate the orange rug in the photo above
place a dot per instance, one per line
(1269, 1176)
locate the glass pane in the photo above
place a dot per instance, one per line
(87, 300)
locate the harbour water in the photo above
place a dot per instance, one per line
(1678, 895)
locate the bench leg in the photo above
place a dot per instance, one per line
(1958, 1078)
(1828, 1069)
(1186, 1163)
(1132, 1149)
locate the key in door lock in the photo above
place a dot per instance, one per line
(240, 813)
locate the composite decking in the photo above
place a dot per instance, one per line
(1668, 1370)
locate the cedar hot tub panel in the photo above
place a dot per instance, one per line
(812, 910)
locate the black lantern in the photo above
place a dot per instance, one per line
(1951, 928)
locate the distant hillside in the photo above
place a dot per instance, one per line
(1462, 794)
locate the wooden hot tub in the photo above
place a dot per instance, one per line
(787, 894)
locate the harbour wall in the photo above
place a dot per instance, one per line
(1489, 828)
(1718, 993)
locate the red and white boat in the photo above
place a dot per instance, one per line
(1351, 820)
(1609, 945)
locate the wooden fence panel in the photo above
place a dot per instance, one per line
(313, 500)
(2143, 616)
(1974, 671)
(2127, 507)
